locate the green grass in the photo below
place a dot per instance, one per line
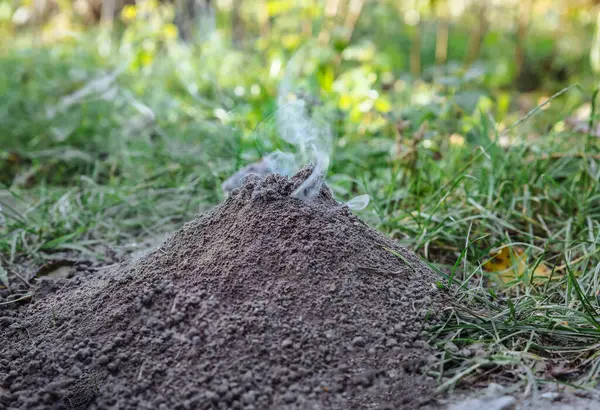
(142, 154)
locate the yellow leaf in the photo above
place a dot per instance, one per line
(510, 263)
(145, 58)
(382, 104)
(170, 31)
(326, 78)
(356, 115)
(275, 8)
(345, 102)
(290, 41)
(541, 273)
(128, 13)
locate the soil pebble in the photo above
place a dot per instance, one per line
(265, 302)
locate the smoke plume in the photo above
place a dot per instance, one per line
(303, 125)
(309, 134)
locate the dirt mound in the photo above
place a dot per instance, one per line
(264, 302)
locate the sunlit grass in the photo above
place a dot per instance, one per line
(475, 202)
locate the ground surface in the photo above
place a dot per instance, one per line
(267, 301)
(496, 397)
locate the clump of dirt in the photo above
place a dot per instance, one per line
(264, 302)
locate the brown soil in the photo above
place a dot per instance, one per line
(264, 302)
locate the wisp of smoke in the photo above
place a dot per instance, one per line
(309, 134)
(304, 127)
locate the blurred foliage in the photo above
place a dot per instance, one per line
(364, 57)
(114, 91)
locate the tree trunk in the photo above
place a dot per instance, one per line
(332, 12)
(194, 17)
(415, 51)
(263, 19)
(108, 12)
(237, 25)
(354, 11)
(442, 32)
(477, 39)
(522, 25)
(441, 42)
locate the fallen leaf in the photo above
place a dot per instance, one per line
(510, 263)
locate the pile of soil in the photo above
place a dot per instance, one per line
(264, 302)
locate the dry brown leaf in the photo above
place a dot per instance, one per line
(510, 263)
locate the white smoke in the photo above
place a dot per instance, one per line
(304, 125)
(309, 134)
